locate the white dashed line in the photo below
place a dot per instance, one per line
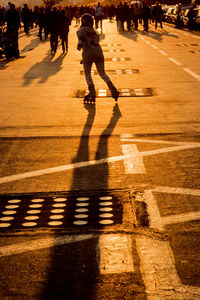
(147, 42)
(162, 52)
(196, 76)
(153, 46)
(175, 61)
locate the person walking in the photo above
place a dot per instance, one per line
(145, 16)
(64, 23)
(88, 41)
(158, 13)
(98, 15)
(26, 18)
(54, 29)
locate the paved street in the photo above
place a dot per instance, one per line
(101, 201)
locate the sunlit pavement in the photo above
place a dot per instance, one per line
(101, 201)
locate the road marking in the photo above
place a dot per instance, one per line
(176, 190)
(147, 42)
(159, 273)
(180, 218)
(130, 138)
(186, 33)
(42, 243)
(196, 37)
(162, 52)
(175, 61)
(115, 254)
(153, 46)
(68, 167)
(134, 164)
(196, 76)
(152, 208)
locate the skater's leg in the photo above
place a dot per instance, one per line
(87, 70)
(104, 76)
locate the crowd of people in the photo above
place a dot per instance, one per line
(56, 21)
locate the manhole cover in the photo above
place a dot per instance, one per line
(101, 93)
(91, 210)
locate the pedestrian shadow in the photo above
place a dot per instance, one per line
(132, 35)
(31, 46)
(44, 69)
(74, 271)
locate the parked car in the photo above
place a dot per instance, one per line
(191, 18)
(168, 15)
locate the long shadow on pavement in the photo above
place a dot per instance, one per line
(44, 69)
(74, 269)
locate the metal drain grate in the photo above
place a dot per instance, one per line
(65, 211)
(115, 72)
(101, 93)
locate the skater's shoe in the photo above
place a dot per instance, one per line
(114, 91)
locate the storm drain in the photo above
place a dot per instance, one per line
(117, 59)
(115, 72)
(65, 211)
(101, 93)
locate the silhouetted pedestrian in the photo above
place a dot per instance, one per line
(64, 23)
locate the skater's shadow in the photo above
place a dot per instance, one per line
(44, 69)
(74, 270)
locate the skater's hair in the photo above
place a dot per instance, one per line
(87, 20)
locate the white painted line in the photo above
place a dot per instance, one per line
(138, 92)
(196, 76)
(152, 208)
(114, 59)
(196, 37)
(62, 168)
(127, 138)
(162, 52)
(176, 190)
(115, 254)
(180, 218)
(118, 72)
(175, 61)
(43, 243)
(132, 165)
(159, 273)
(147, 42)
(153, 46)
(185, 33)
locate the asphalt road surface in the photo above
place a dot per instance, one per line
(101, 201)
